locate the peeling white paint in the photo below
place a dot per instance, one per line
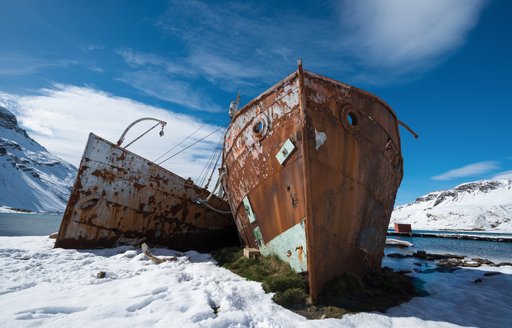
(319, 97)
(320, 138)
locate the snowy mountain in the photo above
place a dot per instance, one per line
(30, 177)
(482, 205)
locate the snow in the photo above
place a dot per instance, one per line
(482, 205)
(7, 209)
(45, 287)
(30, 177)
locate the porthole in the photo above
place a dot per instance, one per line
(259, 127)
(349, 117)
(352, 118)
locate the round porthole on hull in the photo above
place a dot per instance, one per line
(349, 117)
(260, 127)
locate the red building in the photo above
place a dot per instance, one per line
(403, 228)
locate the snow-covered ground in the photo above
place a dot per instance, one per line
(45, 287)
(484, 205)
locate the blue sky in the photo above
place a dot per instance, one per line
(444, 66)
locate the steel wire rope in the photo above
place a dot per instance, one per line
(142, 135)
(200, 179)
(188, 137)
(192, 144)
(217, 149)
(219, 152)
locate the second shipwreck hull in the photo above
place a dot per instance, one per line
(118, 196)
(312, 167)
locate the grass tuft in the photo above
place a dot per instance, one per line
(376, 291)
(294, 298)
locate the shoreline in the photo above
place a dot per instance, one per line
(452, 236)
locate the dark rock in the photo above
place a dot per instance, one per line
(215, 309)
(431, 257)
(450, 262)
(445, 195)
(471, 264)
(504, 264)
(420, 254)
(483, 261)
(7, 119)
(54, 235)
(398, 255)
(101, 275)
(418, 264)
(478, 281)
(493, 273)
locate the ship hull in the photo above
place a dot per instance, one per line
(312, 170)
(121, 197)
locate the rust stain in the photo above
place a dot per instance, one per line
(300, 251)
(133, 198)
(339, 192)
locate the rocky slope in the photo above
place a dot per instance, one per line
(30, 177)
(482, 205)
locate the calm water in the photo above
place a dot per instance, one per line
(494, 251)
(470, 233)
(15, 224)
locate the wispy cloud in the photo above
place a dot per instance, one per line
(470, 170)
(503, 175)
(171, 80)
(61, 117)
(369, 41)
(407, 34)
(140, 59)
(19, 65)
(165, 88)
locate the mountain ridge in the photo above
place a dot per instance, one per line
(484, 205)
(31, 178)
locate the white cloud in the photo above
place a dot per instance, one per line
(166, 88)
(369, 41)
(470, 170)
(141, 59)
(407, 34)
(503, 175)
(61, 117)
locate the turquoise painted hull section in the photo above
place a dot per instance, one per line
(290, 246)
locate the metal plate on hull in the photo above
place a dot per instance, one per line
(119, 195)
(338, 183)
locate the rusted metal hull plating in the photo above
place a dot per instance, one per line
(119, 196)
(312, 170)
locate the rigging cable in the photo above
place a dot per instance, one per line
(192, 144)
(210, 162)
(213, 169)
(200, 179)
(142, 135)
(182, 141)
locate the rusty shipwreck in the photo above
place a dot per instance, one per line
(311, 168)
(120, 197)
